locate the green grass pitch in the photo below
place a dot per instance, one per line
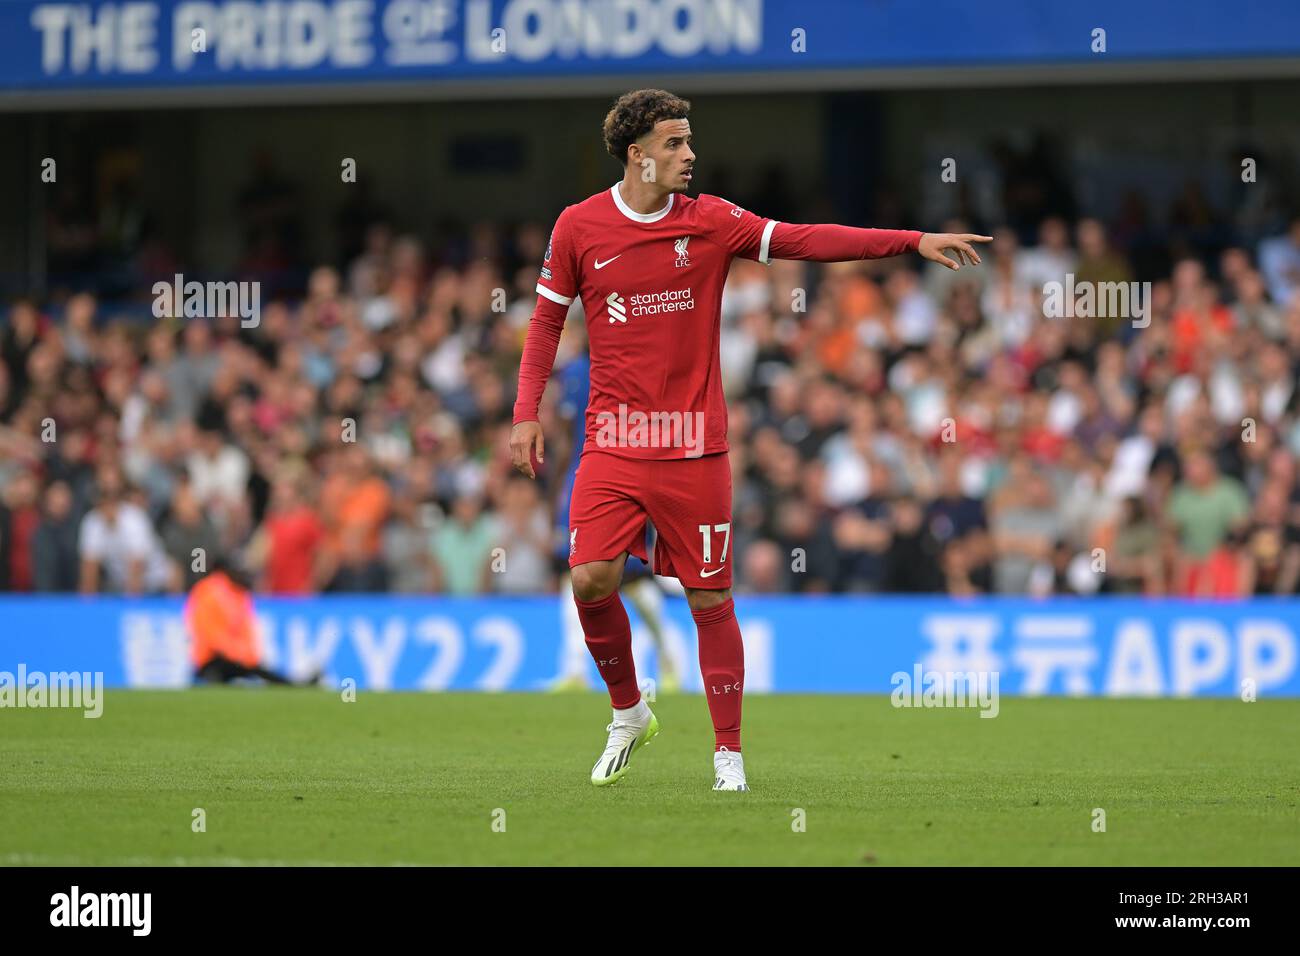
(296, 776)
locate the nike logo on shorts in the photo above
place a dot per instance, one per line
(709, 574)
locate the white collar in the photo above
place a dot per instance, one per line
(627, 210)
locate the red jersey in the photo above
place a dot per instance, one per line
(651, 287)
(296, 536)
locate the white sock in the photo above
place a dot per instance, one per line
(638, 711)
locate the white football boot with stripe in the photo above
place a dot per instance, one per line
(627, 734)
(728, 770)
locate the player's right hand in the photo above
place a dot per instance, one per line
(522, 439)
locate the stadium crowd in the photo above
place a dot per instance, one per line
(893, 429)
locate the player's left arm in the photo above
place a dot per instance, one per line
(754, 237)
(833, 243)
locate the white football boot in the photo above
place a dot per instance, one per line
(728, 770)
(626, 736)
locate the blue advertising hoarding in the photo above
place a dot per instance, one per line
(828, 644)
(62, 45)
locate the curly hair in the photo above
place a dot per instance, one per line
(634, 114)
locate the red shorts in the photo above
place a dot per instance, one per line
(687, 502)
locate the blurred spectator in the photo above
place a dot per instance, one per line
(19, 340)
(1279, 260)
(189, 374)
(189, 539)
(289, 542)
(1133, 563)
(761, 569)
(1010, 301)
(54, 545)
(809, 544)
(523, 533)
(1224, 573)
(462, 548)
(1205, 506)
(218, 470)
(119, 549)
(70, 461)
(357, 567)
(957, 519)
(406, 547)
(1253, 309)
(912, 562)
(1051, 260)
(915, 314)
(863, 534)
(1025, 526)
(19, 519)
(355, 501)
(1099, 263)
(1272, 546)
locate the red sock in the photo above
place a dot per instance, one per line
(609, 638)
(722, 665)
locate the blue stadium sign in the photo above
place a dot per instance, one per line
(1100, 647)
(67, 45)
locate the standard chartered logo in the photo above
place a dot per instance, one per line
(649, 303)
(670, 300)
(617, 311)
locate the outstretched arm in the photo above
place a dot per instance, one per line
(833, 243)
